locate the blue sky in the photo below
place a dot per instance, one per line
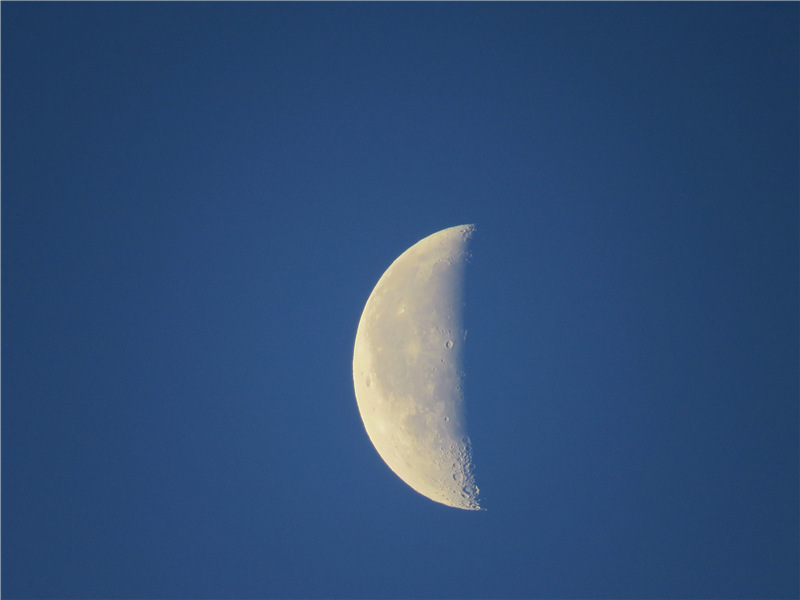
(198, 199)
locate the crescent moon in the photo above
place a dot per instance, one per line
(407, 369)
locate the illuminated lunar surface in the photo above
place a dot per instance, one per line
(407, 369)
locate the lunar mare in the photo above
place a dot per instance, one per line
(407, 369)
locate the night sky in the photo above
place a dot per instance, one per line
(198, 198)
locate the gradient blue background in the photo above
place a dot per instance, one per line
(197, 200)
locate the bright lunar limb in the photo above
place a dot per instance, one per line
(407, 369)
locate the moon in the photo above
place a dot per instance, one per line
(407, 369)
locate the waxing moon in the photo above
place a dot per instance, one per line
(407, 369)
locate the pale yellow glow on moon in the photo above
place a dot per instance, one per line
(406, 369)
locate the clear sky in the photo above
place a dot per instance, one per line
(198, 198)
